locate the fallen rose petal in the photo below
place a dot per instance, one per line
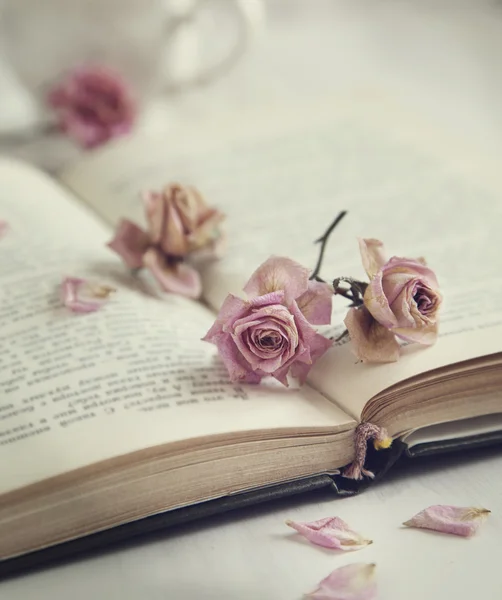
(81, 296)
(351, 582)
(330, 532)
(457, 520)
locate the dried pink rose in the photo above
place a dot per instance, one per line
(93, 105)
(458, 520)
(272, 333)
(331, 532)
(181, 227)
(82, 296)
(351, 582)
(402, 299)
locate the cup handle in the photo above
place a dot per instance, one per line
(249, 16)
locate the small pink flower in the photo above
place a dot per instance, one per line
(272, 333)
(402, 299)
(82, 296)
(93, 105)
(181, 227)
(351, 582)
(458, 520)
(330, 532)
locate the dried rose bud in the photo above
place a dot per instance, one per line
(179, 221)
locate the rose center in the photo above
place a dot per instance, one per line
(269, 340)
(424, 302)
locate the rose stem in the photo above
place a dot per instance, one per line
(323, 241)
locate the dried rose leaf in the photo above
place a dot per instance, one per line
(330, 532)
(82, 296)
(458, 520)
(352, 582)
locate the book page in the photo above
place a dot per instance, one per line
(283, 179)
(79, 388)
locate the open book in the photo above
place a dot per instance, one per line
(110, 421)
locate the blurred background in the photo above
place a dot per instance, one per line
(443, 57)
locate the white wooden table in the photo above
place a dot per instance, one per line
(252, 555)
(445, 58)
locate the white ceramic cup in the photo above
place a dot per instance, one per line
(158, 45)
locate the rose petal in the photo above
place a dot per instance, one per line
(457, 520)
(278, 274)
(318, 345)
(174, 241)
(238, 369)
(316, 303)
(372, 255)
(176, 279)
(130, 242)
(351, 582)
(371, 342)
(83, 297)
(416, 266)
(330, 532)
(376, 302)
(154, 212)
(231, 310)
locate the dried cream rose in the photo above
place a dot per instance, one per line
(402, 299)
(181, 229)
(179, 221)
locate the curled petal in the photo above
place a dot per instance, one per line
(376, 302)
(154, 212)
(318, 345)
(208, 232)
(130, 242)
(231, 309)
(427, 336)
(316, 303)
(371, 342)
(331, 532)
(417, 267)
(372, 255)
(83, 297)
(177, 278)
(238, 369)
(351, 582)
(276, 274)
(458, 520)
